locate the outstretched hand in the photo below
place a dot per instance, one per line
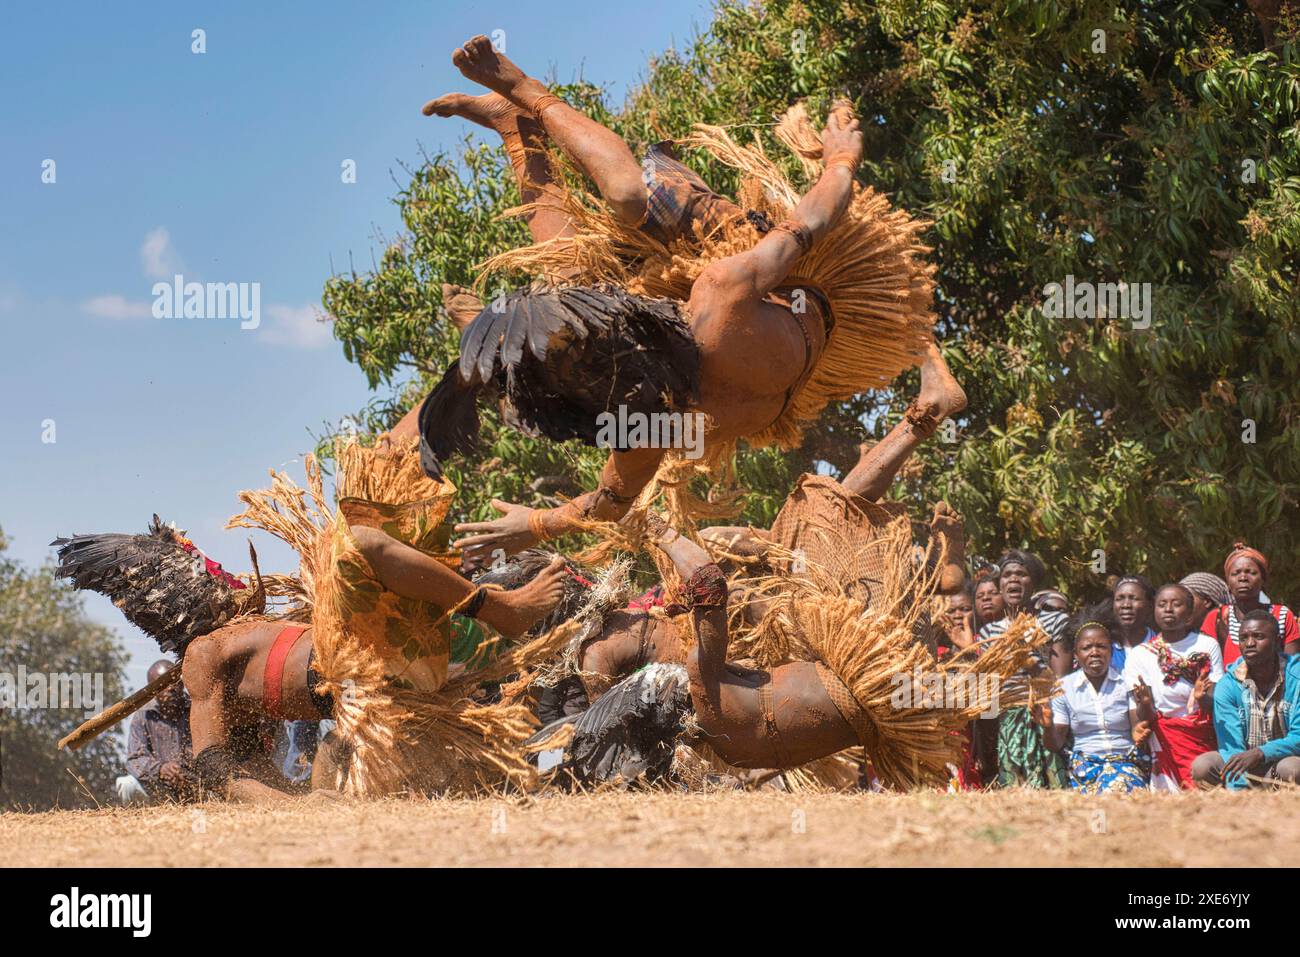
(842, 136)
(495, 539)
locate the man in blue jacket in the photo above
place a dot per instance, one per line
(1256, 713)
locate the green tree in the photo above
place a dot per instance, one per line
(43, 629)
(1148, 143)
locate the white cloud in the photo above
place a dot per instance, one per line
(113, 306)
(301, 327)
(158, 256)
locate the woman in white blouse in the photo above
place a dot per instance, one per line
(1172, 676)
(1095, 706)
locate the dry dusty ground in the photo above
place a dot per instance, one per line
(724, 828)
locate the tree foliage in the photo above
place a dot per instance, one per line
(1140, 142)
(44, 629)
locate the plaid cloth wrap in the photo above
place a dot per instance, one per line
(678, 199)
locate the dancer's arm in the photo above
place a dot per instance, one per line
(766, 265)
(624, 476)
(408, 427)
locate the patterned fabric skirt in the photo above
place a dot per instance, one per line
(1023, 756)
(1109, 773)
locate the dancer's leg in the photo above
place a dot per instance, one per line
(940, 397)
(599, 152)
(525, 143)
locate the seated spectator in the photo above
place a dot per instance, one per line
(1256, 712)
(1208, 593)
(1246, 570)
(158, 747)
(1132, 602)
(1022, 756)
(1095, 707)
(1172, 679)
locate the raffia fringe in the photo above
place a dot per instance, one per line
(871, 267)
(869, 648)
(396, 738)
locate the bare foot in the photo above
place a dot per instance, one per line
(513, 612)
(940, 396)
(461, 305)
(946, 527)
(491, 110)
(478, 61)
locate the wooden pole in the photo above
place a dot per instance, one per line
(94, 727)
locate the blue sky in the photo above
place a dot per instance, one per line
(225, 167)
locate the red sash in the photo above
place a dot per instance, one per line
(273, 677)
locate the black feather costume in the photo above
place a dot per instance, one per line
(560, 357)
(630, 731)
(161, 582)
(518, 570)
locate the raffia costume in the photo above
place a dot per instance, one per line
(383, 657)
(880, 679)
(849, 592)
(869, 271)
(605, 290)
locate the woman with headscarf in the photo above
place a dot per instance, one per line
(1246, 570)
(1023, 755)
(1208, 593)
(1172, 679)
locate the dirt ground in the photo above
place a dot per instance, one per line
(718, 829)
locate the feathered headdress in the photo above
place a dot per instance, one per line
(162, 583)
